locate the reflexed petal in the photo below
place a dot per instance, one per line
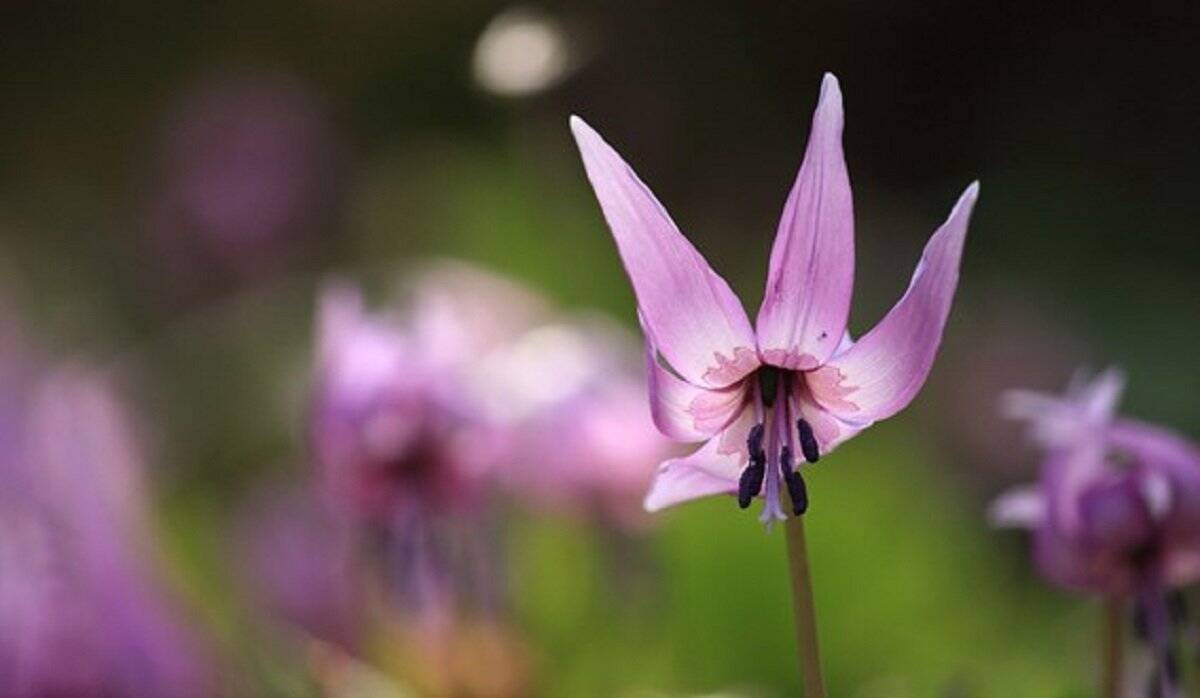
(882, 372)
(1169, 455)
(1156, 445)
(696, 321)
(811, 278)
(1060, 420)
(686, 412)
(1020, 507)
(704, 473)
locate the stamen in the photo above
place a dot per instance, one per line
(754, 444)
(772, 510)
(751, 481)
(808, 441)
(795, 482)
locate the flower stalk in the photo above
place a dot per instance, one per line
(805, 610)
(1113, 647)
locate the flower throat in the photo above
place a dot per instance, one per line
(771, 447)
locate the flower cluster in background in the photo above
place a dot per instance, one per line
(430, 420)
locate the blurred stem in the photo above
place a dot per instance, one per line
(1114, 646)
(806, 615)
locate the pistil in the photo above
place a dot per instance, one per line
(772, 509)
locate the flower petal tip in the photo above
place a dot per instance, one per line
(585, 135)
(965, 204)
(829, 83)
(829, 103)
(652, 503)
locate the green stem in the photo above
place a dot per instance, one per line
(1113, 646)
(806, 615)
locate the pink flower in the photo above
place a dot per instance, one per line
(1117, 506)
(397, 413)
(390, 427)
(1116, 511)
(795, 383)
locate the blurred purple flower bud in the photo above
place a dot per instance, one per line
(248, 176)
(76, 579)
(43, 617)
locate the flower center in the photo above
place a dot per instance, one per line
(771, 466)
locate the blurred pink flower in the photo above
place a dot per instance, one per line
(796, 383)
(1118, 503)
(76, 575)
(392, 425)
(1116, 511)
(401, 437)
(249, 174)
(584, 443)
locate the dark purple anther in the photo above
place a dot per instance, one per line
(795, 482)
(798, 492)
(754, 445)
(808, 441)
(750, 482)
